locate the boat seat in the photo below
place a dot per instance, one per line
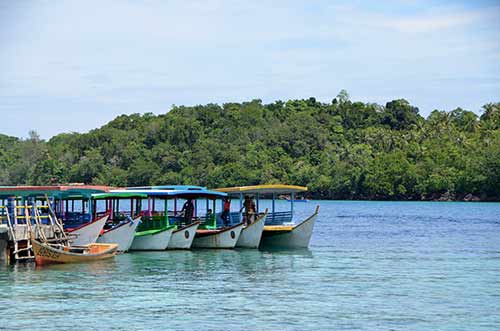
(209, 223)
(279, 218)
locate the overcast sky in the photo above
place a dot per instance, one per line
(74, 65)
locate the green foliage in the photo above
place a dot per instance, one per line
(344, 150)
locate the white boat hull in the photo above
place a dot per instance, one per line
(183, 238)
(226, 238)
(298, 237)
(251, 235)
(152, 242)
(123, 235)
(87, 233)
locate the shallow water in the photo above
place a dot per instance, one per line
(371, 266)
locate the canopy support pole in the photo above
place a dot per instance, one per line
(166, 211)
(258, 198)
(274, 198)
(241, 206)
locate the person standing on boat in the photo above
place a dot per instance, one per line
(225, 216)
(249, 206)
(188, 210)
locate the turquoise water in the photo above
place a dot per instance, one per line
(371, 266)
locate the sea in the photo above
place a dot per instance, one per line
(370, 266)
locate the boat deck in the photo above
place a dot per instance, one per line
(278, 228)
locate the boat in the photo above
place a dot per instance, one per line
(252, 233)
(122, 223)
(152, 240)
(205, 231)
(44, 211)
(121, 234)
(87, 233)
(226, 237)
(45, 253)
(290, 235)
(182, 237)
(280, 231)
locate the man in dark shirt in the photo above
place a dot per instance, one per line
(188, 209)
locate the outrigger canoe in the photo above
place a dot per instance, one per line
(45, 254)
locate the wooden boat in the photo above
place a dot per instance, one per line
(152, 240)
(279, 230)
(182, 237)
(218, 238)
(47, 208)
(251, 234)
(87, 233)
(122, 234)
(45, 253)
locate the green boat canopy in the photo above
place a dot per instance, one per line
(119, 195)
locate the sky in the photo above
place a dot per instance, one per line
(71, 66)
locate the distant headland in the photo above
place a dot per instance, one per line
(339, 150)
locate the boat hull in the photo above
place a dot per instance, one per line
(45, 254)
(251, 235)
(123, 235)
(152, 242)
(183, 238)
(224, 238)
(88, 233)
(297, 236)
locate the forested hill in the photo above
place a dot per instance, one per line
(341, 150)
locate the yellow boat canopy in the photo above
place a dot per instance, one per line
(264, 189)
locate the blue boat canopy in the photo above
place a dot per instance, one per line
(181, 192)
(169, 188)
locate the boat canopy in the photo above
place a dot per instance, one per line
(263, 189)
(177, 193)
(57, 192)
(169, 187)
(119, 195)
